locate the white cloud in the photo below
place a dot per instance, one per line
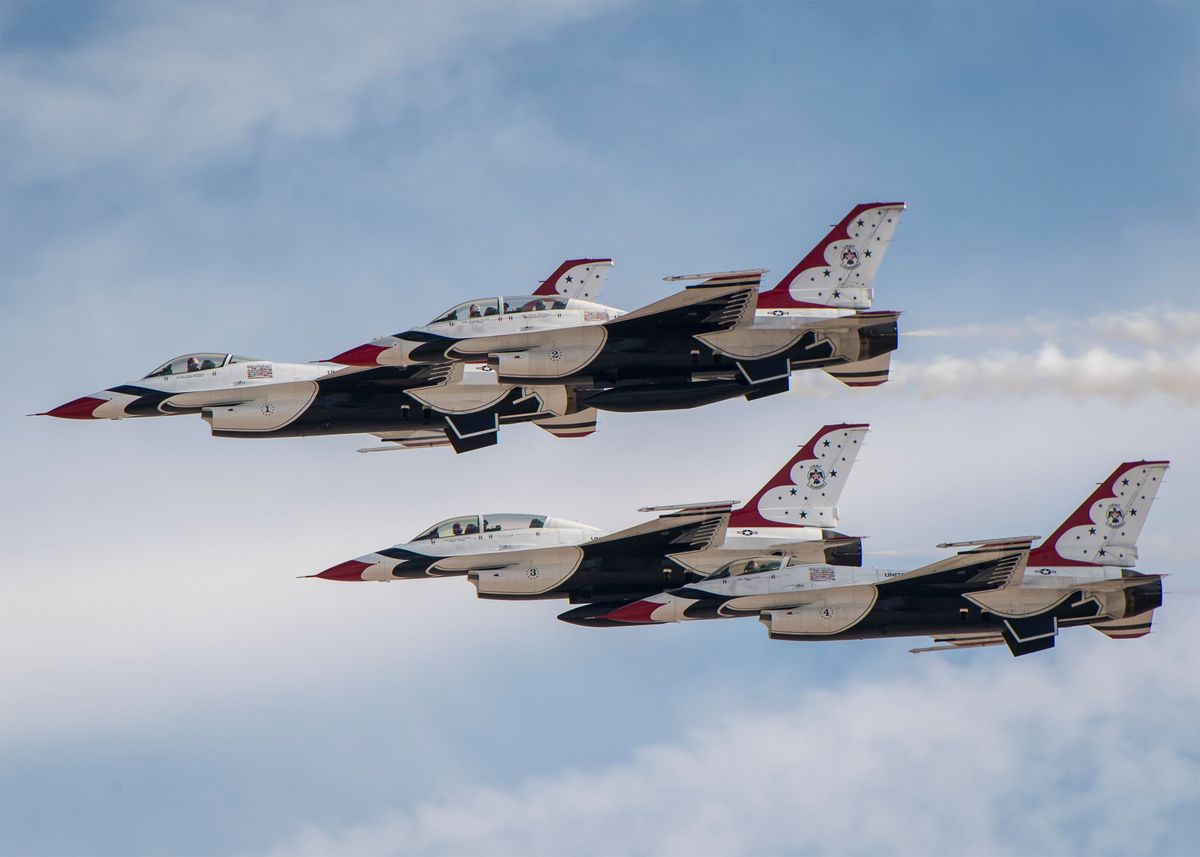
(176, 84)
(1089, 749)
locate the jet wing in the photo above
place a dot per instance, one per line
(694, 528)
(722, 302)
(392, 377)
(990, 564)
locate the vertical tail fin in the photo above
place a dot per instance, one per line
(804, 493)
(1105, 528)
(577, 278)
(837, 273)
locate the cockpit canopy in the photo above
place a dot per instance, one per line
(485, 307)
(753, 565)
(470, 525)
(198, 362)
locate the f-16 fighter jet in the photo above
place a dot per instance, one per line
(715, 340)
(995, 591)
(791, 515)
(564, 299)
(410, 406)
(414, 406)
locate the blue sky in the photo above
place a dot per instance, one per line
(290, 180)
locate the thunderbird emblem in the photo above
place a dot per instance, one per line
(849, 256)
(1115, 516)
(816, 477)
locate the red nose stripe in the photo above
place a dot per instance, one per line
(351, 569)
(362, 355)
(77, 409)
(636, 613)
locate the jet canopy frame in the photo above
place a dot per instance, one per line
(470, 525)
(508, 305)
(199, 361)
(749, 565)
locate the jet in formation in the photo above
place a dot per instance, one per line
(992, 592)
(764, 560)
(554, 357)
(539, 556)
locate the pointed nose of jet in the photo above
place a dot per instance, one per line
(83, 408)
(360, 355)
(351, 569)
(634, 613)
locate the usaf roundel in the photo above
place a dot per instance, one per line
(816, 477)
(850, 256)
(1115, 516)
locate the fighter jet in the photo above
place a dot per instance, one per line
(715, 340)
(792, 514)
(406, 406)
(564, 299)
(995, 591)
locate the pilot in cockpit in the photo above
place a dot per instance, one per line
(193, 364)
(475, 313)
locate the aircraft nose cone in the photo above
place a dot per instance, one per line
(351, 569)
(361, 355)
(82, 408)
(636, 613)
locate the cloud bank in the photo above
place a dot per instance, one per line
(991, 756)
(171, 86)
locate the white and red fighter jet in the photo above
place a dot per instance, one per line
(715, 340)
(514, 555)
(406, 406)
(998, 591)
(415, 406)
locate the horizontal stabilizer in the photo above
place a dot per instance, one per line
(579, 424)
(863, 373)
(1129, 628)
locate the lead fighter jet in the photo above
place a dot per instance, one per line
(997, 591)
(715, 340)
(408, 406)
(537, 556)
